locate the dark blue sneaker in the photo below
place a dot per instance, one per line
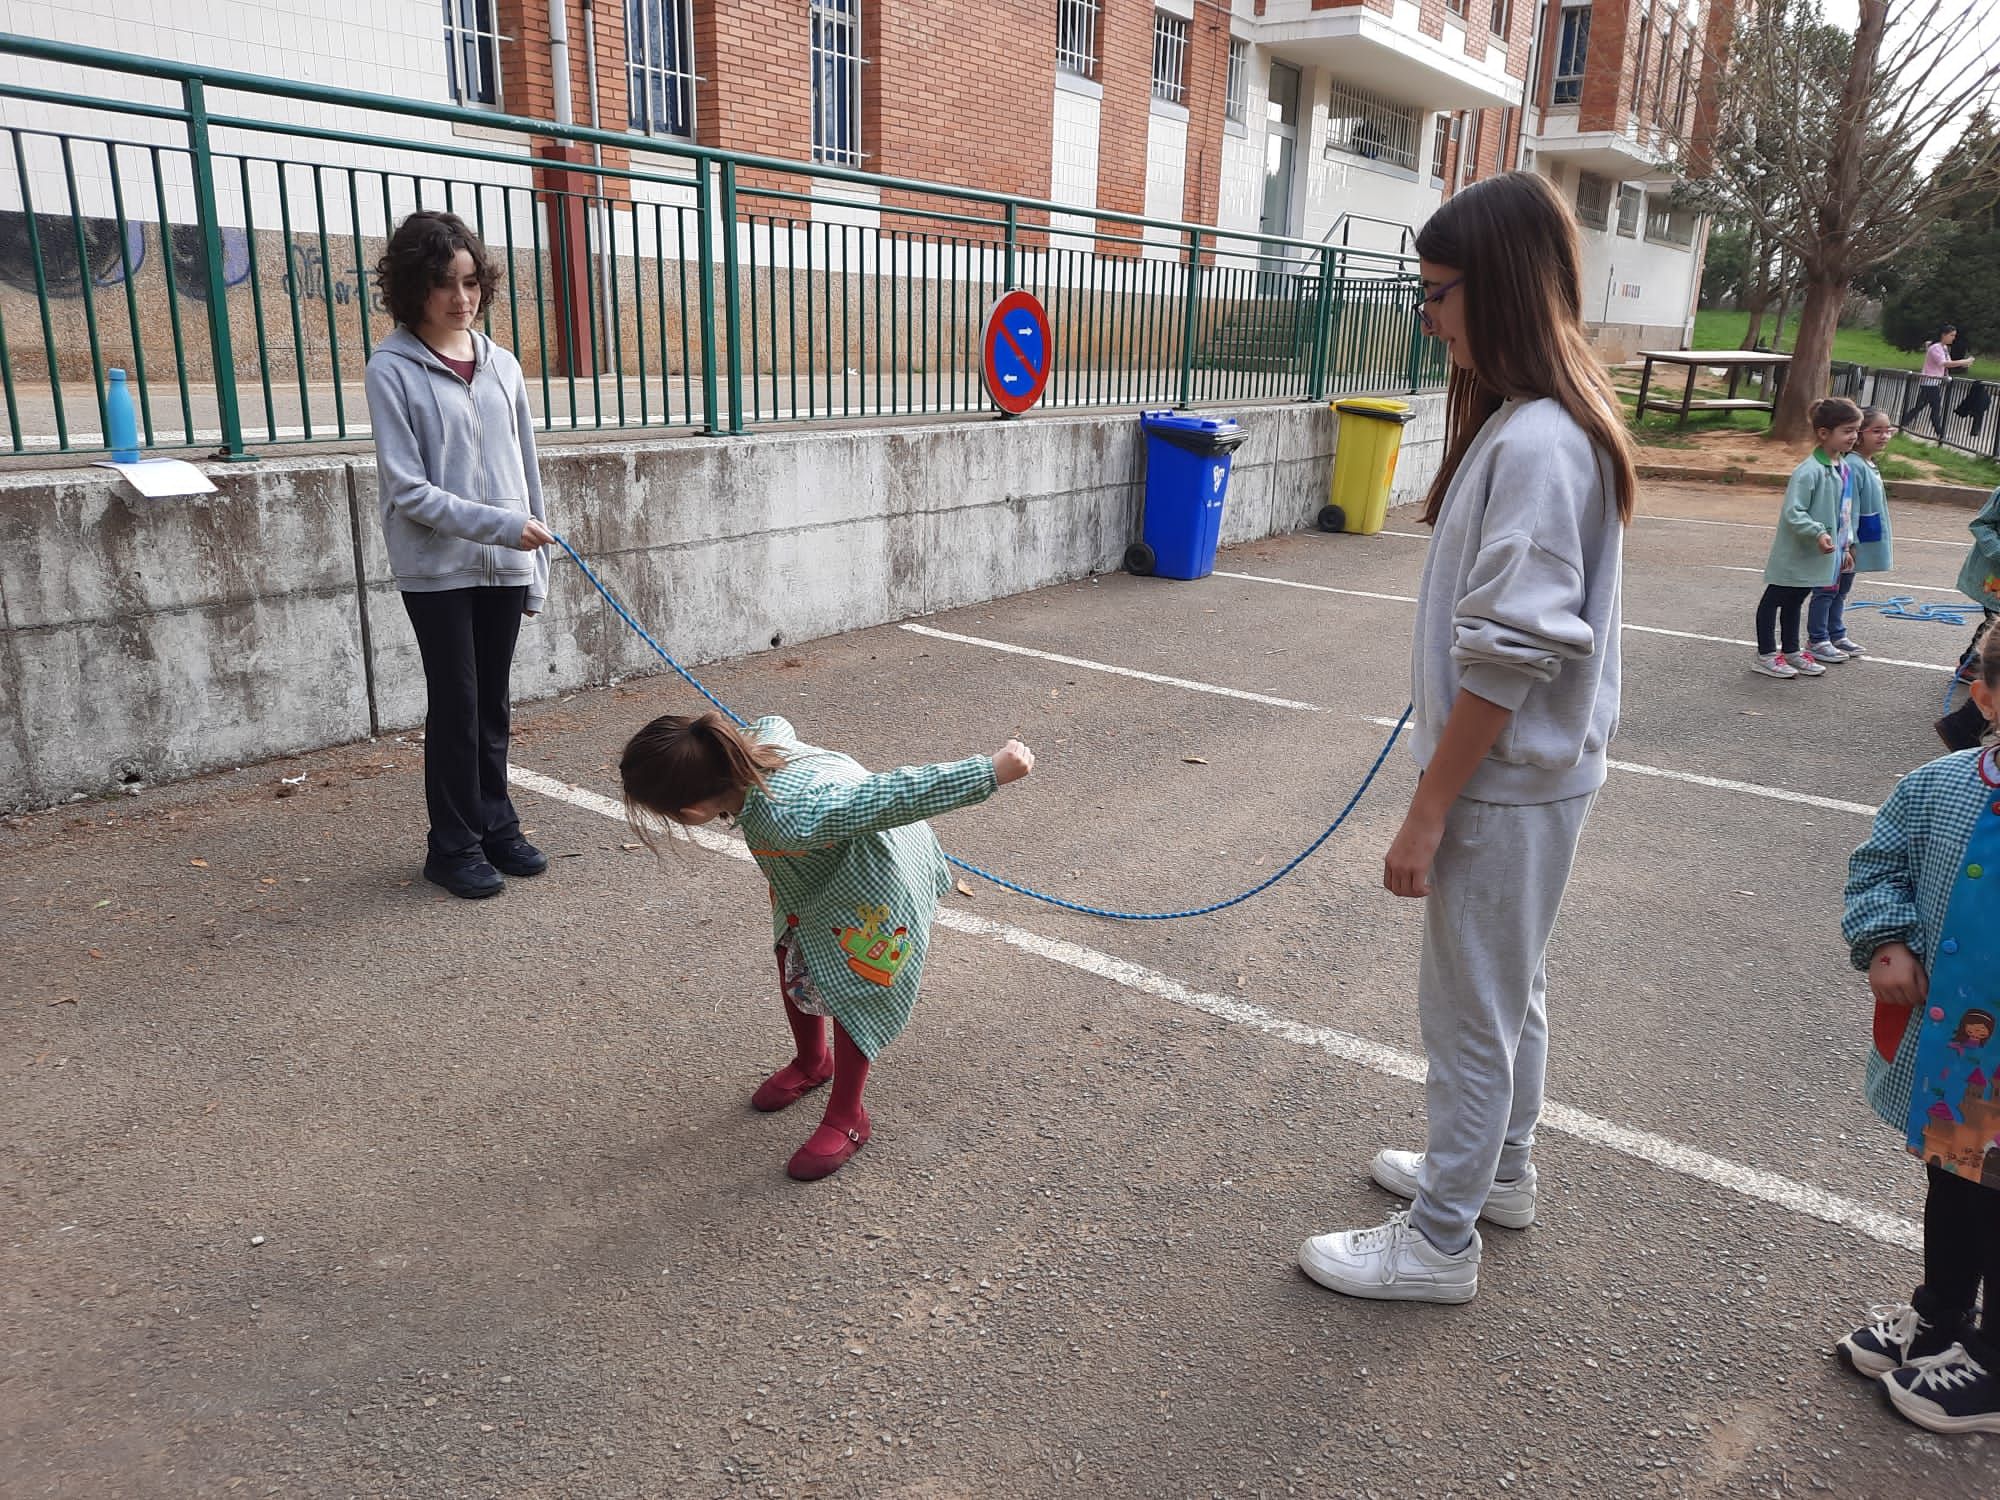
(516, 856)
(470, 880)
(1949, 1392)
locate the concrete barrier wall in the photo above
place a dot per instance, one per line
(149, 640)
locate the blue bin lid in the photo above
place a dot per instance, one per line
(1173, 421)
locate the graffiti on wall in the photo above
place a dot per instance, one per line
(79, 252)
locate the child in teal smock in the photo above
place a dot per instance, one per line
(1923, 919)
(1805, 552)
(855, 876)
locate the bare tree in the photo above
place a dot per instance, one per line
(1826, 144)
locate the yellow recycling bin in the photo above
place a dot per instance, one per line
(1364, 463)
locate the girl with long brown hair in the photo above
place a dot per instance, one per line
(855, 877)
(1516, 675)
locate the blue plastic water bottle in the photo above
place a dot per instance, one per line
(124, 433)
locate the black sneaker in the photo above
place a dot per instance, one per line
(1895, 1335)
(1949, 1392)
(468, 879)
(516, 856)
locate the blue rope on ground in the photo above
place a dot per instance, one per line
(1000, 880)
(1905, 607)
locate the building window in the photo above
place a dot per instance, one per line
(1506, 138)
(1076, 37)
(1593, 200)
(1456, 7)
(1571, 49)
(1501, 17)
(1170, 35)
(1666, 61)
(472, 52)
(836, 81)
(1468, 147)
(1236, 97)
(1679, 123)
(659, 56)
(1631, 210)
(1670, 226)
(1440, 148)
(1365, 125)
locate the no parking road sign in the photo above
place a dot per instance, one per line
(1017, 352)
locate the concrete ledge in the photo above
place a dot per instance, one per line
(147, 640)
(1908, 490)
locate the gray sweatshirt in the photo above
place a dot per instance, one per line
(1519, 605)
(455, 468)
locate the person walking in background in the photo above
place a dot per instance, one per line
(462, 513)
(1931, 380)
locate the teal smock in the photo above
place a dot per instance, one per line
(855, 872)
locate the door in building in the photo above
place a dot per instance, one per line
(1281, 145)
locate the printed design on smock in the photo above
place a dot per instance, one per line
(872, 954)
(1954, 1119)
(796, 980)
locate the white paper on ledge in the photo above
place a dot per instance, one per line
(162, 478)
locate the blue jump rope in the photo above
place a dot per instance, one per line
(1904, 607)
(1000, 880)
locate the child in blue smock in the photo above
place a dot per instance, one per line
(1923, 919)
(1863, 543)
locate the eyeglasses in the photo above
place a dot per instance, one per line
(1434, 297)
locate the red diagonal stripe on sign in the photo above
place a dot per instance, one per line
(1027, 364)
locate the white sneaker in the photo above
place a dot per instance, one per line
(1807, 667)
(1510, 1204)
(1848, 644)
(1392, 1262)
(1826, 653)
(1775, 665)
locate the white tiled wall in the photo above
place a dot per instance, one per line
(1073, 164)
(1630, 279)
(390, 47)
(1166, 176)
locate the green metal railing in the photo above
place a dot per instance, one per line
(648, 284)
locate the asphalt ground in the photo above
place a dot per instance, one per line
(318, 1182)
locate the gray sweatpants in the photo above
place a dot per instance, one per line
(1481, 999)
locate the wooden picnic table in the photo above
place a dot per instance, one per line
(1736, 361)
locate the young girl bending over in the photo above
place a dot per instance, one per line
(1864, 541)
(855, 877)
(1807, 553)
(1923, 919)
(1516, 668)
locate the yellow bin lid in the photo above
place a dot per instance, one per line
(1380, 407)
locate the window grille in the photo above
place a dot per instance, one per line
(1367, 125)
(1170, 38)
(472, 52)
(1076, 36)
(1631, 210)
(1593, 199)
(659, 59)
(836, 81)
(1572, 48)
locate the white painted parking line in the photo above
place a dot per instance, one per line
(1867, 583)
(1922, 541)
(1686, 635)
(1393, 1062)
(1716, 783)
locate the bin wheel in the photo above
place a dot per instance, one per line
(1332, 518)
(1139, 560)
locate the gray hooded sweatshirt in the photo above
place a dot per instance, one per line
(455, 468)
(1519, 605)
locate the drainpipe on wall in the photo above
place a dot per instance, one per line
(1528, 83)
(570, 276)
(600, 207)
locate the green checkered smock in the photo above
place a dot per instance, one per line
(1899, 886)
(855, 872)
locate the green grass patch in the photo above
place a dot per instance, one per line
(1952, 466)
(1720, 328)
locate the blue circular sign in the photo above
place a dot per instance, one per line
(1018, 352)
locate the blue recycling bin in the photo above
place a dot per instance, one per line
(1187, 480)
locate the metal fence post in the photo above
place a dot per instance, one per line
(1188, 318)
(704, 215)
(221, 354)
(1013, 236)
(732, 311)
(1316, 362)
